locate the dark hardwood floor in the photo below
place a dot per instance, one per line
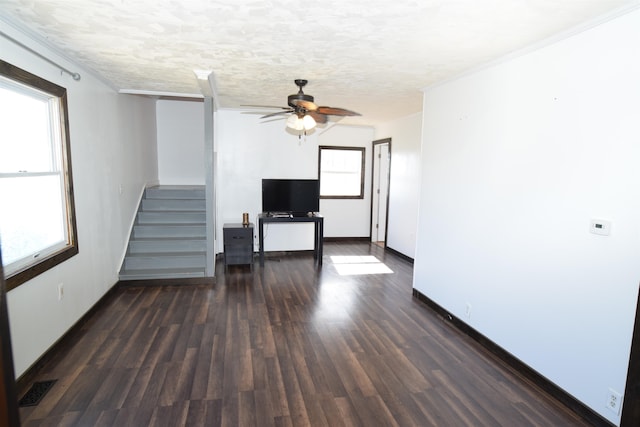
(285, 345)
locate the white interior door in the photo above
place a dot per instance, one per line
(380, 192)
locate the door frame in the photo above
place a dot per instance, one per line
(373, 160)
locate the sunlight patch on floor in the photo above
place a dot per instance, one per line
(359, 265)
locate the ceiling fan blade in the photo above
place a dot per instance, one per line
(332, 111)
(277, 114)
(266, 106)
(319, 118)
(273, 119)
(307, 105)
(254, 112)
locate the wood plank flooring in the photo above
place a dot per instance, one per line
(283, 345)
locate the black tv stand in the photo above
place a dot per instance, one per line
(318, 222)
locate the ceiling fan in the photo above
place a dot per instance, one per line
(304, 114)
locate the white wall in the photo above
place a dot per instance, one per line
(517, 160)
(404, 189)
(112, 146)
(249, 150)
(180, 126)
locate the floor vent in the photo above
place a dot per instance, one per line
(36, 393)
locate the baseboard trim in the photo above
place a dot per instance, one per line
(345, 239)
(517, 365)
(23, 383)
(399, 254)
(168, 282)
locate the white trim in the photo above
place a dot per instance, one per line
(160, 94)
(132, 223)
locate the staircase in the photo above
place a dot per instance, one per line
(168, 240)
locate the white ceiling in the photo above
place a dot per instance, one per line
(370, 56)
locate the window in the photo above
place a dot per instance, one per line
(341, 172)
(37, 221)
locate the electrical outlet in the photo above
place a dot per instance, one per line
(614, 401)
(467, 311)
(60, 291)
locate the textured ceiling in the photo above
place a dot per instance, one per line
(370, 56)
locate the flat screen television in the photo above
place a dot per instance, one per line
(293, 196)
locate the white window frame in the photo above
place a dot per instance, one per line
(40, 259)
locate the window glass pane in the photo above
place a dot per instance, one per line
(339, 184)
(25, 138)
(32, 223)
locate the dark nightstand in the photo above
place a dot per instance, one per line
(238, 244)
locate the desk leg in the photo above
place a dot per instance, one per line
(261, 242)
(315, 241)
(319, 238)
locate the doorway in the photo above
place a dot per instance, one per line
(380, 190)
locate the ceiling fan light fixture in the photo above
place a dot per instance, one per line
(301, 123)
(308, 122)
(294, 122)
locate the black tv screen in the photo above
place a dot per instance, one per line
(296, 196)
